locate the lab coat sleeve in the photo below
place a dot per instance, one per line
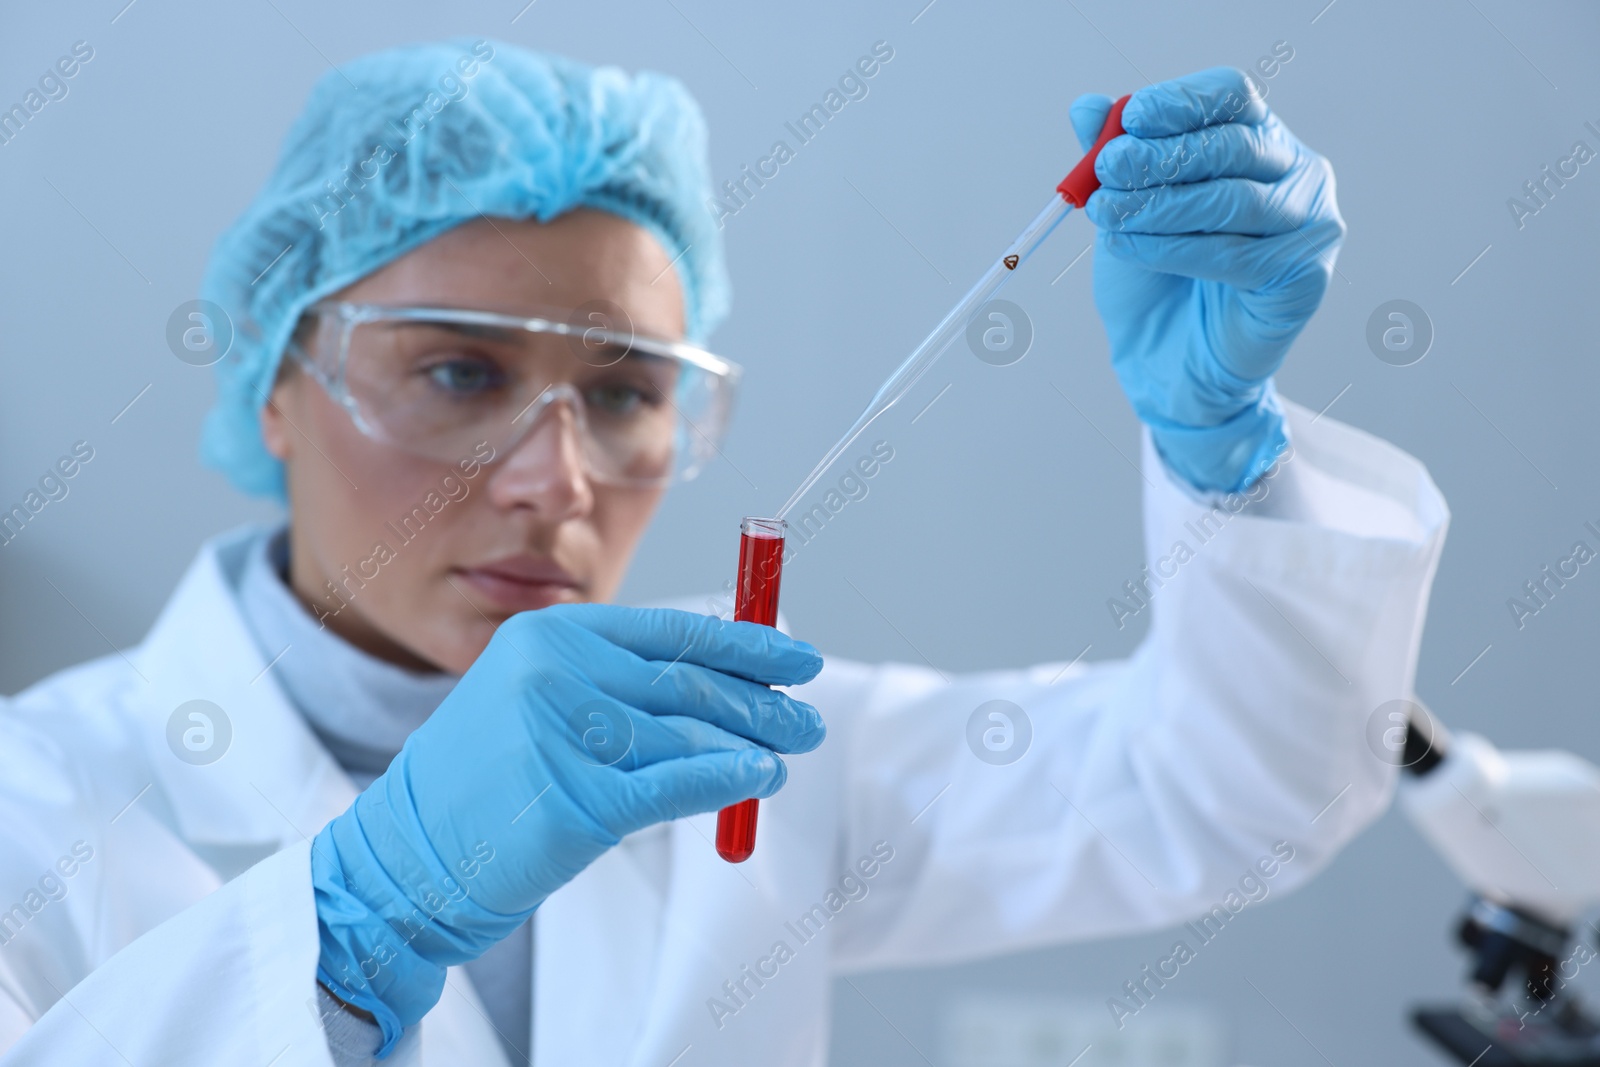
(230, 979)
(1156, 788)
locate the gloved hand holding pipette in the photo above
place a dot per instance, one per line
(1217, 236)
(1218, 231)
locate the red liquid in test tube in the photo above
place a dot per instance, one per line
(755, 600)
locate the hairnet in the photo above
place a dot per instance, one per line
(401, 146)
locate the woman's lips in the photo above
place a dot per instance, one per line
(520, 584)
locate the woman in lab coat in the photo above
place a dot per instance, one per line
(198, 835)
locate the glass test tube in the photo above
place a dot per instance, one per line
(755, 600)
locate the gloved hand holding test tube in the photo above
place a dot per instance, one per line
(762, 540)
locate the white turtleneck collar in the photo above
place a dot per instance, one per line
(361, 707)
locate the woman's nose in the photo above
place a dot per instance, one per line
(546, 470)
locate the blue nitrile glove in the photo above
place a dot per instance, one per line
(577, 725)
(1217, 236)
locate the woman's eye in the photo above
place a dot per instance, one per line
(464, 377)
(620, 399)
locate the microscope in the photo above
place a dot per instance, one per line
(1522, 830)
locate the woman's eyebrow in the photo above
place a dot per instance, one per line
(486, 331)
(481, 330)
(635, 355)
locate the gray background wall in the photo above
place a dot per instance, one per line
(1021, 517)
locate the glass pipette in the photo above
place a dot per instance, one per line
(1073, 192)
(762, 540)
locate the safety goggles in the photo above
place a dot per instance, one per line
(441, 382)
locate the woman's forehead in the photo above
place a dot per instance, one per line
(524, 266)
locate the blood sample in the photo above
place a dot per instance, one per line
(755, 600)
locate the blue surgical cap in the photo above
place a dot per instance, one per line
(400, 146)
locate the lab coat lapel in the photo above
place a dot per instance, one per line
(707, 912)
(457, 1030)
(721, 920)
(627, 957)
(274, 782)
(594, 959)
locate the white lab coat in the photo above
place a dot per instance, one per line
(1151, 786)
